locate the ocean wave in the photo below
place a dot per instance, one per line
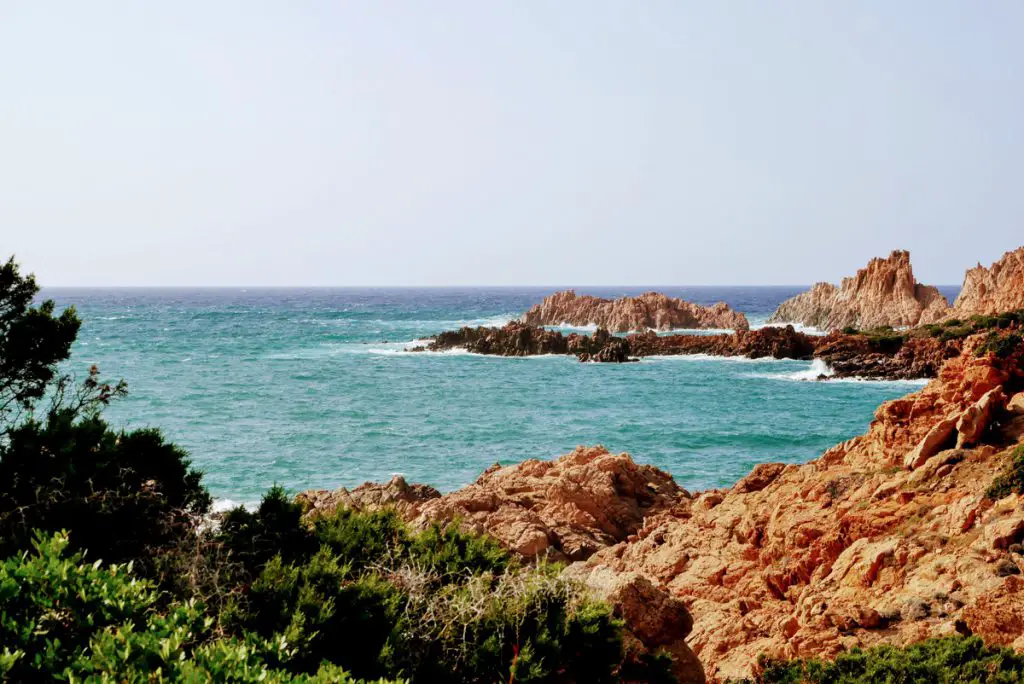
(819, 369)
(799, 327)
(225, 504)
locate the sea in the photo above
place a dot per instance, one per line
(315, 388)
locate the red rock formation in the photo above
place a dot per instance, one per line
(648, 311)
(884, 293)
(992, 290)
(886, 538)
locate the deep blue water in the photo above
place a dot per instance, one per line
(312, 388)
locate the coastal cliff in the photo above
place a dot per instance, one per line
(884, 293)
(912, 530)
(650, 310)
(992, 290)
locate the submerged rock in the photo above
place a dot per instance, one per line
(650, 310)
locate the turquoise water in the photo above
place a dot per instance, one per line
(312, 388)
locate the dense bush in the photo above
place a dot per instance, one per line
(948, 659)
(1011, 480)
(1001, 345)
(64, 618)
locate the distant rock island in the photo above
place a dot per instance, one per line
(649, 311)
(883, 294)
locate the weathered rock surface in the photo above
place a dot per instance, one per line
(886, 538)
(854, 548)
(992, 290)
(884, 293)
(650, 310)
(900, 358)
(779, 343)
(396, 493)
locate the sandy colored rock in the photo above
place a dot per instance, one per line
(884, 293)
(650, 310)
(396, 493)
(850, 549)
(996, 289)
(656, 621)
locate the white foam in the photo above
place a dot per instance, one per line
(799, 327)
(821, 370)
(710, 357)
(222, 505)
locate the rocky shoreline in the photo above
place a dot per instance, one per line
(882, 356)
(897, 535)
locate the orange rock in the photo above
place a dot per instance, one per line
(992, 290)
(650, 310)
(884, 293)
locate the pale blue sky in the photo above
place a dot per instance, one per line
(478, 142)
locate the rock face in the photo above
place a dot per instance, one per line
(893, 358)
(648, 311)
(888, 537)
(884, 293)
(992, 290)
(859, 356)
(778, 343)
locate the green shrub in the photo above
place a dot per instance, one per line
(1002, 346)
(275, 528)
(125, 494)
(948, 659)
(33, 341)
(63, 618)
(1012, 478)
(527, 625)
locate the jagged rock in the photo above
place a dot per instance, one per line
(773, 342)
(655, 620)
(884, 293)
(975, 419)
(992, 290)
(396, 493)
(564, 509)
(650, 310)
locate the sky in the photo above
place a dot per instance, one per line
(507, 143)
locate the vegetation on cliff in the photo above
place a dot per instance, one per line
(940, 660)
(114, 572)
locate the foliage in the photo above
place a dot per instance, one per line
(263, 596)
(62, 617)
(1002, 346)
(530, 625)
(124, 494)
(947, 659)
(1011, 480)
(33, 340)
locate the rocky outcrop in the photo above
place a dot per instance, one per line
(992, 290)
(396, 493)
(884, 293)
(895, 358)
(650, 310)
(778, 343)
(888, 537)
